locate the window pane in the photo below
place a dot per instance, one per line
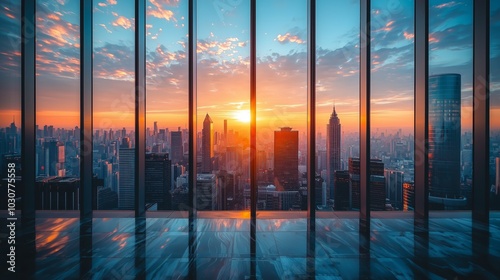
(114, 105)
(450, 104)
(223, 104)
(167, 136)
(337, 107)
(281, 105)
(57, 105)
(391, 104)
(10, 107)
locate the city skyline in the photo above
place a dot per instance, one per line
(223, 57)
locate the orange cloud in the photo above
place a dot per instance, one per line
(158, 10)
(408, 36)
(53, 17)
(123, 22)
(290, 38)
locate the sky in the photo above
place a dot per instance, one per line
(223, 62)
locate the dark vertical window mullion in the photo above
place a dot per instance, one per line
(140, 107)
(481, 113)
(253, 138)
(192, 170)
(311, 139)
(28, 138)
(253, 113)
(28, 107)
(311, 116)
(364, 86)
(192, 61)
(86, 109)
(421, 81)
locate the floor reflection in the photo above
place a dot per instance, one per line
(163, 248)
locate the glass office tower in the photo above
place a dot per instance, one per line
(444, 140)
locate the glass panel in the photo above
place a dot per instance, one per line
(57, 83)
(114, 105)
(223, 105)
(167, 137)
(495, 106)
(337, 107)
(391, 104)
(10, 107)
(281, 105)
(450, 104)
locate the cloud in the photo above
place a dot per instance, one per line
(158, 10)
(289, 38)
(446, 5)
(122, 22)
(114, 62)
(211, 47)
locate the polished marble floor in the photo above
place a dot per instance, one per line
(162, 247)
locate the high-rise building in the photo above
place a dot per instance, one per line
(57, 193)
(318, 191)
(408, 196)
(207, 145)
(394, 187)
(176, 150)
(334, 133)
(155, 128)
(206, 192)
(53, 158)
(342, 193)
(286, 159)
(377, 184)
(444, 135)
(127, 179)
(158, 180)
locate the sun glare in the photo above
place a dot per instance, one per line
(242, 115)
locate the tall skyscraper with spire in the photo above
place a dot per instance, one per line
(334, 131)
(207, 147)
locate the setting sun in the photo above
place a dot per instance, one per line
(242, 115)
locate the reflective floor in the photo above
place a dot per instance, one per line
(161, 247)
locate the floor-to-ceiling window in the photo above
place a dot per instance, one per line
(167, 137)
(57, 105)
(450, 105)
(392, 105)
(113, 105)
(337, 104)
(10, 107)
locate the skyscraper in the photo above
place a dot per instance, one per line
(333, 150)
(155, 128)
(206, 192)
(158, 180)
(377, 184)
(207, 148)
(342, 192)
(126, 186)
(176, 151)
(444, 135)
(408, 196)
(394, 187)
(286, 159)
